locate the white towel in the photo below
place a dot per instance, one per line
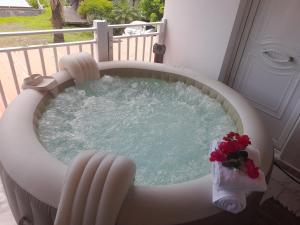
(81, 67)
(230, 186)
(232, 179)
(231, 201)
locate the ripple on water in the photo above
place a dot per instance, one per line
(166, 128)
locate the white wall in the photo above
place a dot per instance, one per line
(198, 33)
(16, 3)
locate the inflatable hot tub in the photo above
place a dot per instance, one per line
(33, 179)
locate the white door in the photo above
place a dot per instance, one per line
(269, 71)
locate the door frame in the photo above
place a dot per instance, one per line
(243, 24)
(239, 36)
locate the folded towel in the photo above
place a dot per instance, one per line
(81, 67)
(94, 190)
(232, 179)
(231, 185)
(231, 201)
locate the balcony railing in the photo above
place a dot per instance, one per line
(22, 61)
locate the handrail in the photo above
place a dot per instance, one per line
(135, 35)
(47, 45)
(54, 31)
(134, 25)
(73, 30)
(103, 46)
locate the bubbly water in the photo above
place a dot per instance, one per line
(166, 128)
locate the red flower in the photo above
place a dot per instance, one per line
(244, 141)
(228, 153)
(217, 155)
(238, 146)
(228, 147)
(236, 135)
(252, 170)
(229, 136)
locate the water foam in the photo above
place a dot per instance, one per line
(166, 128)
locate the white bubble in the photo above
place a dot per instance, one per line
(166, 128)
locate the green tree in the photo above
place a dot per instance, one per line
(35, 3)
(152, 10)
(123, 12)
(95, 9)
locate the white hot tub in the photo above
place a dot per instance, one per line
(33, 179)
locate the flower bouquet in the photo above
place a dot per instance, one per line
(232, 154)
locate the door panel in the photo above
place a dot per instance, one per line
(269, 71)
(259, 81)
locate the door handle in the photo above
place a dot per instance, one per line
(270, 53)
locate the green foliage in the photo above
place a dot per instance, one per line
(114, 12)
(39, 22)
(152, 10)
(44, 3)
(95, 9)
(34, 3)
(124, 13)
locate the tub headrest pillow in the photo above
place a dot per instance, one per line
(81, 67)
(94, 190)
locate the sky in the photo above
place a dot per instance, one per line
(22, 3)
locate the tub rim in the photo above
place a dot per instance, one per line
(144, 204)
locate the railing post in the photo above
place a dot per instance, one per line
(159, 48)
(101, 36)
(162, 32)
(3, 97)
(110, 44)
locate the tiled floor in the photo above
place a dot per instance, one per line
(280, 187)
(285, 190)
(6, 218)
